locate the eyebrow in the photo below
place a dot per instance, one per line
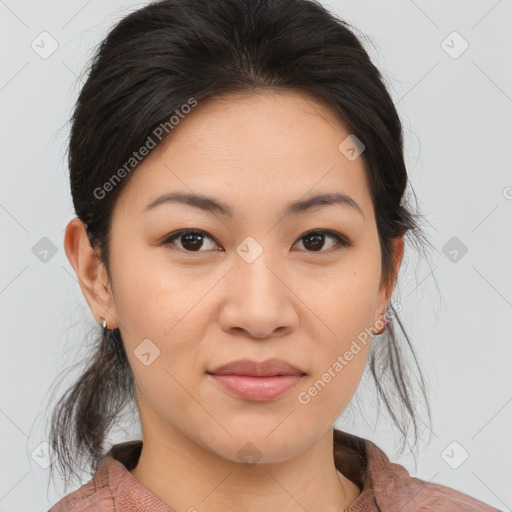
(209, 204)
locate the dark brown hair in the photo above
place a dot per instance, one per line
(149, 65)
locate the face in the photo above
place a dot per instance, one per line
(254, 281)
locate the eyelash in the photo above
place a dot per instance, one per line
(341, 241)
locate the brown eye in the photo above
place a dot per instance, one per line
(314, 240)
(191, 240)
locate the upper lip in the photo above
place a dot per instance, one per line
(267, 368)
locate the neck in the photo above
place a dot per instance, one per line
(187, 476)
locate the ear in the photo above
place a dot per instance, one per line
(386, 290)
(90, 272)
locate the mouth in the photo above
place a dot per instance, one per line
(255, 381)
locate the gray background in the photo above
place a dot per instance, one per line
(457, 112)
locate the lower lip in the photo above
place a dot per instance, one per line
(257, 388)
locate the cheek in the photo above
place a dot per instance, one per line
(152, 294)
(346, 301)
(160, 317)
(342, 335)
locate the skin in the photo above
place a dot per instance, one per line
(205, 308)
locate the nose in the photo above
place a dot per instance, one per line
(258, 301)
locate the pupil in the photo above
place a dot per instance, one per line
(196, 244)
(318, 241)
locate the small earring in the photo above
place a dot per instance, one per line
(111, 338)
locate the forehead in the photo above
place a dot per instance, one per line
(269, 147)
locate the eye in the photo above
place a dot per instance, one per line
(191, 239)
(315, 240)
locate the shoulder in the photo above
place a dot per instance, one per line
(89, 501)
(396, 489)
(414, 494)
(388, 486)
(94, 495)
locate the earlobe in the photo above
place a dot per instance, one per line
(90, 272)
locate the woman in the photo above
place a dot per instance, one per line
(238, 178)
